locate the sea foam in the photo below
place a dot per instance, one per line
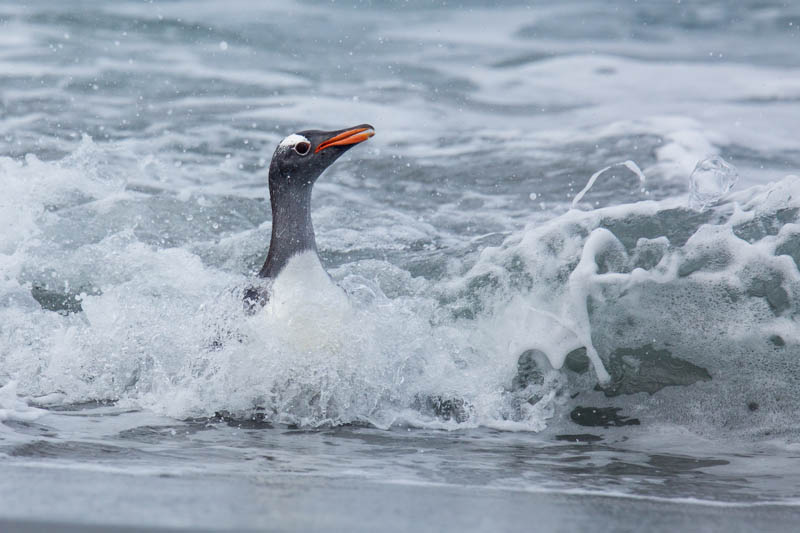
(682, 316)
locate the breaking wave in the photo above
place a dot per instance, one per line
(115, 292)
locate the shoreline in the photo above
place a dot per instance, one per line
(36, 500)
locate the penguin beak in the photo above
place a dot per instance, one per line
(355, 135)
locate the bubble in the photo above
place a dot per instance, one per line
(712, 179)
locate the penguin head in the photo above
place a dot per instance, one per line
(301, 157)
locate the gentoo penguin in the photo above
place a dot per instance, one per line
(296, 164)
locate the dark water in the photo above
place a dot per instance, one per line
(463, 375)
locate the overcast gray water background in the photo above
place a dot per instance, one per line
(134, 144)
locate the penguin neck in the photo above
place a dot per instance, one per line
(292, 230)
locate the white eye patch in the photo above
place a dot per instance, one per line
(292, 140)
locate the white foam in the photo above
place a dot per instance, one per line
(162, 325)
(14, 408)
(166, 331)
(718, 301)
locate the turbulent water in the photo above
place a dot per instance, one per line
(491, 311)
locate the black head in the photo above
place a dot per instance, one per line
(297, 163)
(301, 157)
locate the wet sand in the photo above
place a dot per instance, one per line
(79, 500)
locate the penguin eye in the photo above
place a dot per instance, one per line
(302, 147)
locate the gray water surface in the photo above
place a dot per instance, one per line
(134, 144)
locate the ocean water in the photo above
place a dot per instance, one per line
(513, 346)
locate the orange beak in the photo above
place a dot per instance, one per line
(353, 136)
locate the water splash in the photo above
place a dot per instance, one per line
(94, 308)
(12, 407)
(630, 165)
(711, 180)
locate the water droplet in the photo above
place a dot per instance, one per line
(712, 179)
